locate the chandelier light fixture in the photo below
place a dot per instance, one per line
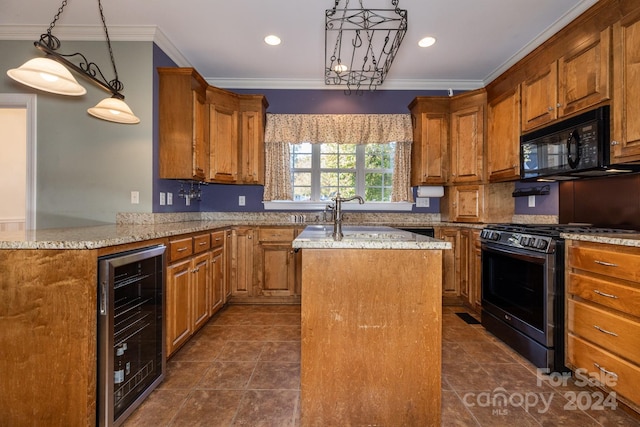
(51, 74)
(361, 44)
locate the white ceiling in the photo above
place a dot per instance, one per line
(477, 39)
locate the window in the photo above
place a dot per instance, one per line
(319, 171)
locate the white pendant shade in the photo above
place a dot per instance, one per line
(47, 75)
(114, 110)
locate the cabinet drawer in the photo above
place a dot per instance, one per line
(613, 295)
(276, 234)
(217, 238)
(617, 334)
(623, 377)
(180, 248)
(618, 264)
(201, 243)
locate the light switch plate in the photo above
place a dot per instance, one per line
(532, 201)
(163, 198)
(241, 201)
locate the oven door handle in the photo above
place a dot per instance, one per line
(537, 259)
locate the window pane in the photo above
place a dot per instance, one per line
(300, 148)
(329, 161)
(347, 161)
(302, 179)
(347, 180)
(329, 148)
(301, 193)
(373, 179)
(327, 193)
(329, 179)
(373, 194)
(301, 161)
(379, 156)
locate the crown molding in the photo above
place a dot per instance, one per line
(389, 84)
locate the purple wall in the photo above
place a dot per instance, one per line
(545, 205)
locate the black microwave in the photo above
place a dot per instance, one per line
(577, 147)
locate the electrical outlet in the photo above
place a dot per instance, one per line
(422, 202)
(163, 198)
(169, 198)
(135, 197)
(532, 201)
(241, 201)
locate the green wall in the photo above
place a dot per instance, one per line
(86, 167)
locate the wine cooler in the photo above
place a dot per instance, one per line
(131, 359)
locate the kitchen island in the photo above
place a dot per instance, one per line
(371, 334)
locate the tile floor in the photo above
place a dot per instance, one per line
(243, 369)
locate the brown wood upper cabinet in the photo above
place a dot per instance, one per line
(184, 124)
(576, 81)
(467, 137)
(236, 137)
(625, 135)
(224, 154)
(503, 137)
(430, 119)
(252, 122)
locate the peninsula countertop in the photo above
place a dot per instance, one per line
(365, 237)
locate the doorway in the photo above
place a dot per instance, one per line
(18, 162)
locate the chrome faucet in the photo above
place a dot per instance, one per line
(337, 214)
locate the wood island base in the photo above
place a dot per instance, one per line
(371, 337)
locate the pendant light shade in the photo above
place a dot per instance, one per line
(52, 74)
(114, 110)
(47, 75)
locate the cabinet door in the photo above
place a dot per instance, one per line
(467, 144)
(183, 124)
(242, 262)
(200, 136)
(466, 203)
(200, 288)
(463, 261)
(583, 74)
(430, 119)
(625, 144)
(539, 97)
(277, 272)
(223, 141)
(503, 137)
(450, 267)
(475, 272)
(216, 290)
(178, 301)
(228, 264)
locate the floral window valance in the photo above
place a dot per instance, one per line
(338, 128)
(284, 129)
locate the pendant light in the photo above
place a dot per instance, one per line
(51, 74)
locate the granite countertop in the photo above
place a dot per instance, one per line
(365, 237)
(623, 239)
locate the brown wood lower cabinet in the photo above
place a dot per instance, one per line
(195, 286)
(461, 266)
(603, 316)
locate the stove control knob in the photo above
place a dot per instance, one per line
(494, 236)
(525, 241)
(541, 244)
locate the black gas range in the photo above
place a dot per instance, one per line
(523, 287)
(538, 237)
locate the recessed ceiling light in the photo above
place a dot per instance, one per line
(427, 41)
(272, 40)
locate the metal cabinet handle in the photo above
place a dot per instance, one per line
(606, 264)
(615, 143)
(202, 243)
(181, 249)
(595, 291)
(605, 370)
(550, 108)
(604, 331)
